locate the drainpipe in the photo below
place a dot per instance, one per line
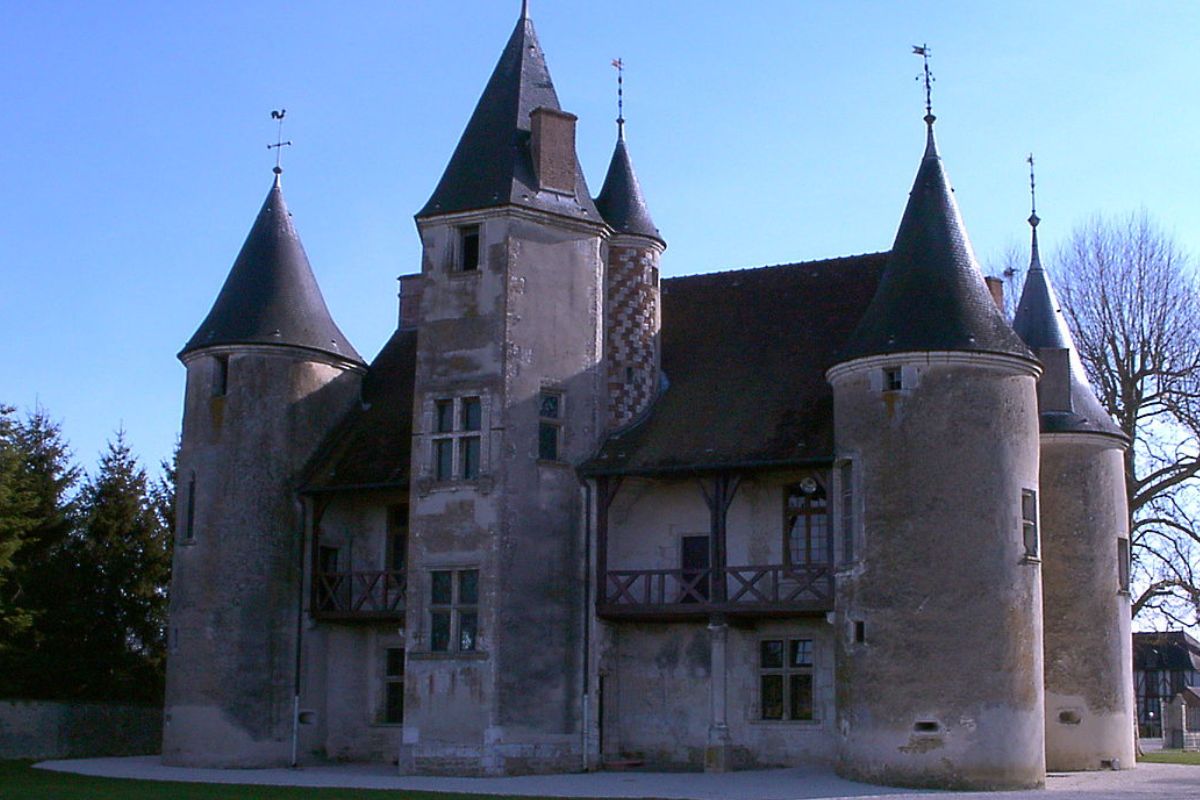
(587, 620)
(299, 637)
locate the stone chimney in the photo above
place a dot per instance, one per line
(996, 287)
(553, 149)
(410, 300)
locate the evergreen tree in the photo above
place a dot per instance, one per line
(120, 559)
(39, 482)
(17, 521)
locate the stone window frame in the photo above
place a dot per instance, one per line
(468, 256)
(391, 684)
(461, 613)
(1124, 565)
(785, 671)
(219, 375)
(789, 513)
(1030, 527)
(463, 439)
(551, 424)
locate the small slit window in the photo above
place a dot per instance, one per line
(550, 426)
(893, 379)
(1029, 523)
(1123, 564)
(220, 376)
(189, 521)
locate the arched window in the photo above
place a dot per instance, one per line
(806, 524)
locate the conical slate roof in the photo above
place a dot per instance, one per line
(1040, 322)
(492, 165)
(621, 202)
(932, 295)
(271, 295)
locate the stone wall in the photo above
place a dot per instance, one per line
(35, 729)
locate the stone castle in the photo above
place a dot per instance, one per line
(574, 515)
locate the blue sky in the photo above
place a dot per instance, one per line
(133, 158)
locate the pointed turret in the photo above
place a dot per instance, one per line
(621, 202)
(271, 296)
(1067, 402)
(932, 296)
(494, 163)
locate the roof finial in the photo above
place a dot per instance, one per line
(925, 51)
(620, 65)
(1033, 217)
(279, 142)
(524, 9)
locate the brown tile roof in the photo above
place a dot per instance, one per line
(372, 447)
(744, 355)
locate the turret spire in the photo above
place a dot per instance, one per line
(492, 166)
(1067, 402)
(620, 201)
(932, 295)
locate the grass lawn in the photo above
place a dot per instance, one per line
(20, 781)
(1162, 757)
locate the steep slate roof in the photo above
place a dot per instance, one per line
(1168, 650)
(271, 295)
(1040, 322)
(744, 355)
(621, 201)
(932, 295)
(492, 165)
(373, 445)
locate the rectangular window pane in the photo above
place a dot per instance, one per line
(469, 452)
(443, 459)
(548, 442)
(393, 713)
(440, 587)
(468, 622)
(771, 654)
(548, 406)
(444, 416)
(801, 652)
(800, 699)
(395, 662)
(772, 697)
(472, 414)
(439, 631)
(468, 587)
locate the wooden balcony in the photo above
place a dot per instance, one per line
(754, 591)
(359, 596)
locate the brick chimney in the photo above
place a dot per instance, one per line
(996, 287)
(553, 149)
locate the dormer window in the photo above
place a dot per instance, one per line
(468, 248)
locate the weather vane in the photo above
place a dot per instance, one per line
(279, 142)
(620, 66)
(1033, 217)
(925, 51)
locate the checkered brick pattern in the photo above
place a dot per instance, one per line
(631, 332)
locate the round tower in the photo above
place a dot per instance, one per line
(632, 310)
(939, 655)
(268, 375)
(1085, 547)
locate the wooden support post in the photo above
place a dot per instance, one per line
(606, 491)
(719, 496)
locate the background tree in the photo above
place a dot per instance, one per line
(1131, 298)
(17, 521)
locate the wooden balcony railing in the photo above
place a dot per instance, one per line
(748, 591)
(377, 594)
